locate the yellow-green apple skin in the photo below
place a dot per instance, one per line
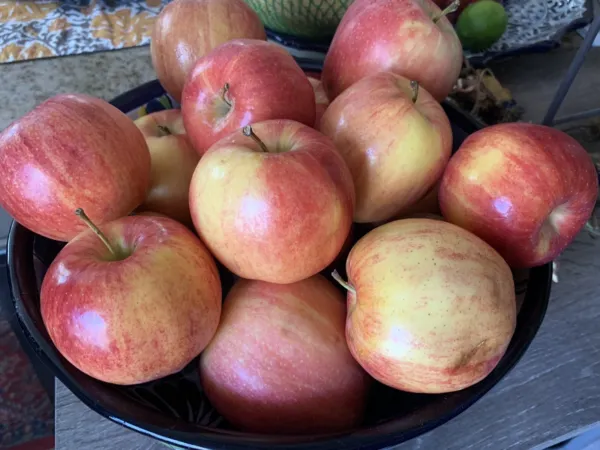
(173, 160)
(428, 204)
(321, 100)
(434, 308)
(395, 148)
(279, 216)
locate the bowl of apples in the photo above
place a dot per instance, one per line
(260, 257)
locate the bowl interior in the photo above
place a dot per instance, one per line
(175, 410)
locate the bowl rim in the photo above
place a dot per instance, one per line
(23, 284)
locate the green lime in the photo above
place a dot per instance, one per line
(481, 24)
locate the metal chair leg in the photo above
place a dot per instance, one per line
(572, 72)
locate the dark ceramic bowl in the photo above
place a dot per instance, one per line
(174, 410)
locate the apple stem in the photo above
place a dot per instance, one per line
(83, 216)
(164, 131)
(247, 130)
(336, 276)
(415, 90)
(224, 93)
(447, 10)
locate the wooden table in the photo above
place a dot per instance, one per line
(553, 393)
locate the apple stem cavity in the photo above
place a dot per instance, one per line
(247, 130)
(83, 216)
(224, 93)
(336, 276)
(164, 131)
(415, 91)
(447, 10)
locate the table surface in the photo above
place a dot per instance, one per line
(551, 394)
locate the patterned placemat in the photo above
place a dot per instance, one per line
(34, 29)
(536, 24)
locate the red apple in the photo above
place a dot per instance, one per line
(139, 312)
(395, 147)
(279, 362)
(401, 36)
(427, 205)
(186, 30)
(276, 210)
(431, 307)
(148, 213)
(526, 189)
(173, 163)
(72, 151)
(240, 83)
(321, 100)
(339, 263)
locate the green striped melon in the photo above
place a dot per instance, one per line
(315, 19)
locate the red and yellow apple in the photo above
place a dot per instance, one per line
(526, 189)
(276, 206)
(427, 207)
(339, 263)
(321, 100)
(148, 213)
(279, 362)
(428, 204)
(431, 307)
(240, 83)
(395, 146)
(72, 151)
(173, 163)
(186, 30)
(407, 37)
(137, 308)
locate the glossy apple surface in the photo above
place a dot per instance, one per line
(279, 362)
(393, 35)
(395, 148)
(339, 263)
(321, 100)
(434, 308)
(137, 316)
(280, 215)
(525, 189)
(72, 151)
(186, 30)
(173, 163)
(263, 82)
